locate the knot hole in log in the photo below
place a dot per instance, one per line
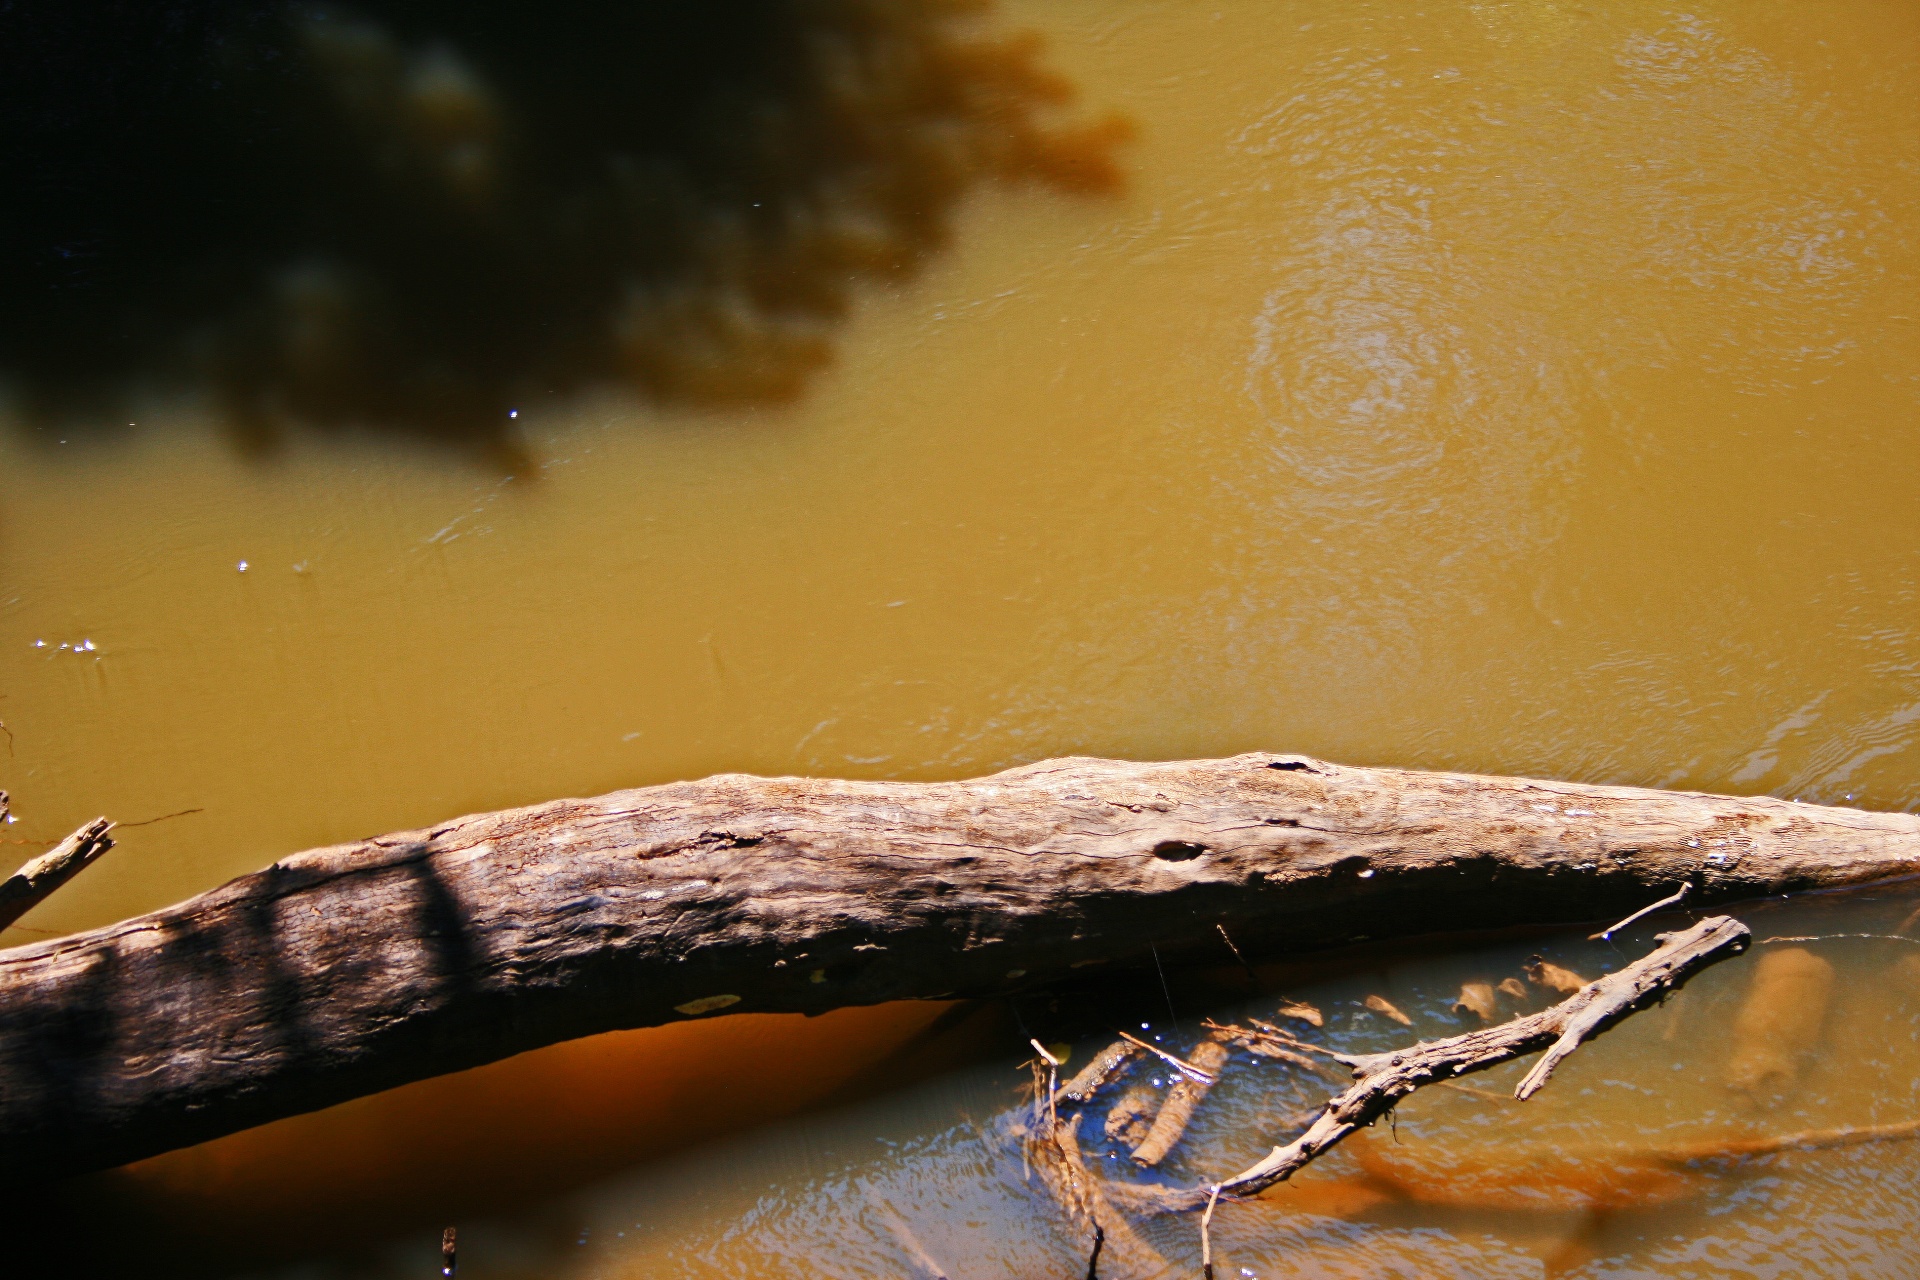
(1178, 850)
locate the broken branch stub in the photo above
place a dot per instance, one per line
(353, 969)
(35, 882)
(1384, 1079)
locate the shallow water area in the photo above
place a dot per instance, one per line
(1648, 1153)
(1518, 387)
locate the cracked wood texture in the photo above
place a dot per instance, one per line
(347, 970)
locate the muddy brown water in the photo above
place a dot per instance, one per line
(1519, 387)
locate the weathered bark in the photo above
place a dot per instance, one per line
(346, 970)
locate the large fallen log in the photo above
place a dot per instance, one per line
(346, 970)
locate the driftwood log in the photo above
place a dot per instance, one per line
(346, 970)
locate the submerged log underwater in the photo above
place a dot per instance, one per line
(347, 970)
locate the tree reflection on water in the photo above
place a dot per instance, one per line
(414, 216)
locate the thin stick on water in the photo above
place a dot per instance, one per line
(1252, 975)
(1206, 1236)
(1673, 899)
(165, 817)
(1093, 1259)
(1053, 1082)
(1828, 937)
(1165, 990)
(1179, 1064)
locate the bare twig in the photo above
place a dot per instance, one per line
(1385, 1079)
(1206, 1234)
(1093, 1259)
(1485, 1095)
(1252, 977)
(32, 884)
(1179, 1064)
(147, 822)
(1268, 1042)
(1828, 937)
(1270, 1032)
(1271, 1043)
(1053, 1082)
(1673, 899)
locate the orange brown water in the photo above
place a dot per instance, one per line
(1518, 387)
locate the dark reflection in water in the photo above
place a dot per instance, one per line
(418, 215)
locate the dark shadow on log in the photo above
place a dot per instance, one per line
(63, 1052)
(424, 216)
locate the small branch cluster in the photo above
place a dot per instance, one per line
(1378, 1083)
(1383, 1080)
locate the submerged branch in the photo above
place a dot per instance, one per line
(1387, 1078)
